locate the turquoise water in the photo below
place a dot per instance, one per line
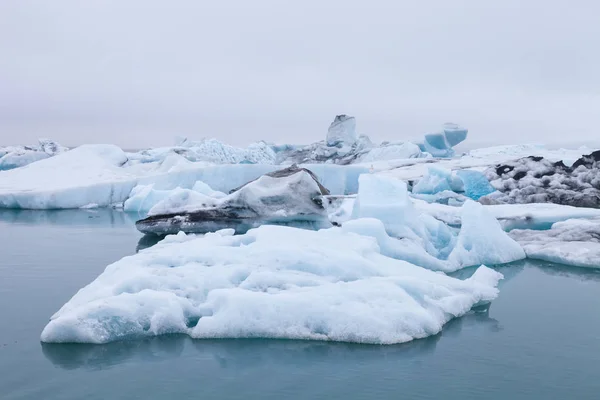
(539, 340)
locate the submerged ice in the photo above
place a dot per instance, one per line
(318, 285)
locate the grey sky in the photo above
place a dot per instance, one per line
(139, 72)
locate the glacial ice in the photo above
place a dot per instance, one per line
(423, 240)
(314, 285)
(342, 130)
(143, 198)
(475, 184)
(103, 175)
(481, 239)
(18, 156)
(288, 195)
(89, 174)
(440, 144)
(573, 242)
(437, 180)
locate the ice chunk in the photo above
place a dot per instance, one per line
(291, 194)
(437, 180)
(482, 241)
(573, 242)
(87, 174)
(182, 201)
(145, 197)
(475, 184)
(315, 285)
(392, 151)
(454, 133)
(342, 130)
(18, 156)
(387, 199)
(440, 144)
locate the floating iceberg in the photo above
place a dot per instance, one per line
(573, 242)
(314, 285)
(89, 174)
(285, 196)
(424, 240)
(18, 156)
(440, 144)
(473, 184)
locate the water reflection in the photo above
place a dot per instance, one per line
(248, 353)
(565, 271)
(105, 217)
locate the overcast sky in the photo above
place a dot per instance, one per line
(140, 72)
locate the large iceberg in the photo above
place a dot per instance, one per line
(315, 285)
(87, 175)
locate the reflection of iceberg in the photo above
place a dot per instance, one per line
(248, 354)
(99, 217)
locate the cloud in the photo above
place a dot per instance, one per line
(139, 72)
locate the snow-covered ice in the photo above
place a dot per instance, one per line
(18, 156)
(89, 174)
(423, 240)
(314, 285)
(573, 242)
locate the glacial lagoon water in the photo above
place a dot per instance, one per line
(539, 340)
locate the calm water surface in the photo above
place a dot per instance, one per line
(539, 340)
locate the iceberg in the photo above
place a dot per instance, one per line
(284, 196)
(536, 179)
(18, 156)
(342, 130)
(475, 184)
(89, 174)
(574, 242)
(481, 239)
(440, 144)
(209, 150)
(438, 179)
(418, 237)
(313, 285)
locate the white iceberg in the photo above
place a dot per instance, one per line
(573, 242)
(424, 240)
(89, 174)
(286, 196)
(18, 156)
(314, 285)
(342, 130)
